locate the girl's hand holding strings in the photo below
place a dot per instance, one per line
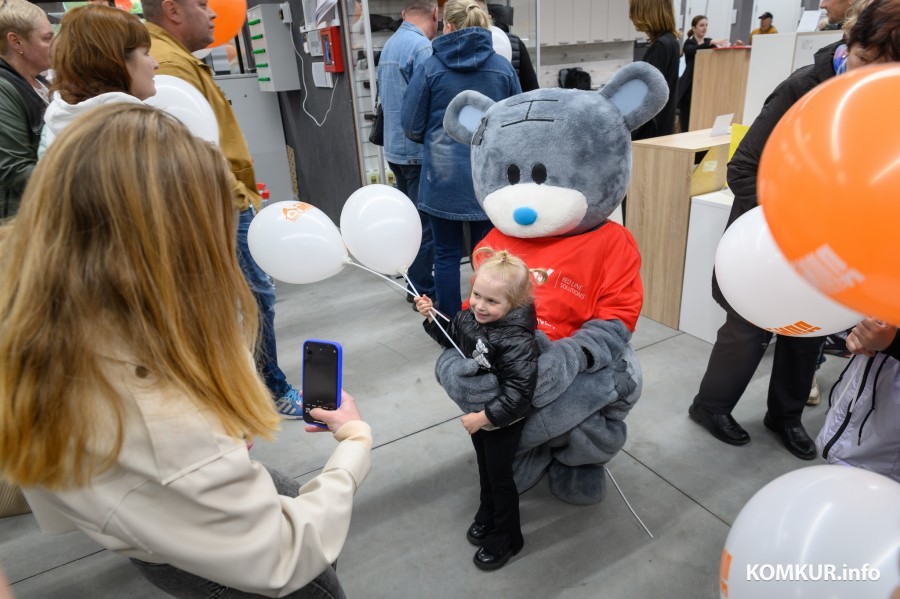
(424, 306)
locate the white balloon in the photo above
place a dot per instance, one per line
(761, 285)
(501, 43)
(296, 242)
(185, 102)
(381, 228)
(823, 517)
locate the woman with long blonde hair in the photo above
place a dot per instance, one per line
(127, 384)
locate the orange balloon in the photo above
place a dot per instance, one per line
(829, 185)
(230, 17)
(125, 5)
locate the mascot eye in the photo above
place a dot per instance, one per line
(539, 173)
(512, 173)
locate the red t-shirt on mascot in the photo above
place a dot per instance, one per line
(595, 275)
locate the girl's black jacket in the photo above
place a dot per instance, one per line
(505, 347)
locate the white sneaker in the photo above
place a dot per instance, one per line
(814, 398)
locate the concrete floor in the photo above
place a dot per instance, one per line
(407, 538)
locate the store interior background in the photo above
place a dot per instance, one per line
(407, 538)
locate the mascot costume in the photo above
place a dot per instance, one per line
(549, 167)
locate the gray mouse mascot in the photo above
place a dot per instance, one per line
(549, 167)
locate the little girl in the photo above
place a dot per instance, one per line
(497, 331)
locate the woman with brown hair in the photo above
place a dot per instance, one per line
(25, 36)
(657, 19)
(696, 40)
(101, 55)
(127, 385)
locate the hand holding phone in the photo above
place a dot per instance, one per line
(322, 362)
(347, 412)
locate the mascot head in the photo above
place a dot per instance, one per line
(555, 161)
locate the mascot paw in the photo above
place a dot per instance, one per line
(580, 485)
(464, 381)
(558, 365)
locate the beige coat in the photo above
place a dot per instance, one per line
(183, 492)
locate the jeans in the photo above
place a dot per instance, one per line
(448, 251)
(419, 272)
(181, 584)
(264, 293)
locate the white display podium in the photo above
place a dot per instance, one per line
(700, 315)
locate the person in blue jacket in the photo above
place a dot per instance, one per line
(463, 59)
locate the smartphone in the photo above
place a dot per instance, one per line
(321, 377)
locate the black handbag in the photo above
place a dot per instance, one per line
(377, 135)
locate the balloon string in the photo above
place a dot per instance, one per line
(619, 489)
(378, 274)
(434, 313)
(413, 293)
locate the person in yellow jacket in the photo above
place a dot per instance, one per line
(765, 26)
(177, 28)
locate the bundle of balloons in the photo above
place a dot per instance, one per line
(295, 242)
(820, 252)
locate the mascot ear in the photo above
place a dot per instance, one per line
(463, 115)
(639, 91)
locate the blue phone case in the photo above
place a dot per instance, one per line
(310, 382)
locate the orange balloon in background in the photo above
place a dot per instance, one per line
(125, 5)
(829, 185)
(230, 17)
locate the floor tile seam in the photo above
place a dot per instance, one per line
(643, 347)
(386, 443)
(62, 565)
(677, 488)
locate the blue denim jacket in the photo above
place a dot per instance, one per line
(464, 59)
(404, 51)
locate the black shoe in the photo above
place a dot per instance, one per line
(722, 426)
(794, 438)
(487, 560)
(476, 533)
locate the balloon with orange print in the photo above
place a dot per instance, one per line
(829, 181)
(230, 17)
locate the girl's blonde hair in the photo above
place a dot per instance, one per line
(465, 13)
(511, 271)
(18, 16)
(125, 243)
(653, 17)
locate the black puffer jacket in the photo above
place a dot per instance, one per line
(505, 347)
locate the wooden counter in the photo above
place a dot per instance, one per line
(658, 209)
(720, 85)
